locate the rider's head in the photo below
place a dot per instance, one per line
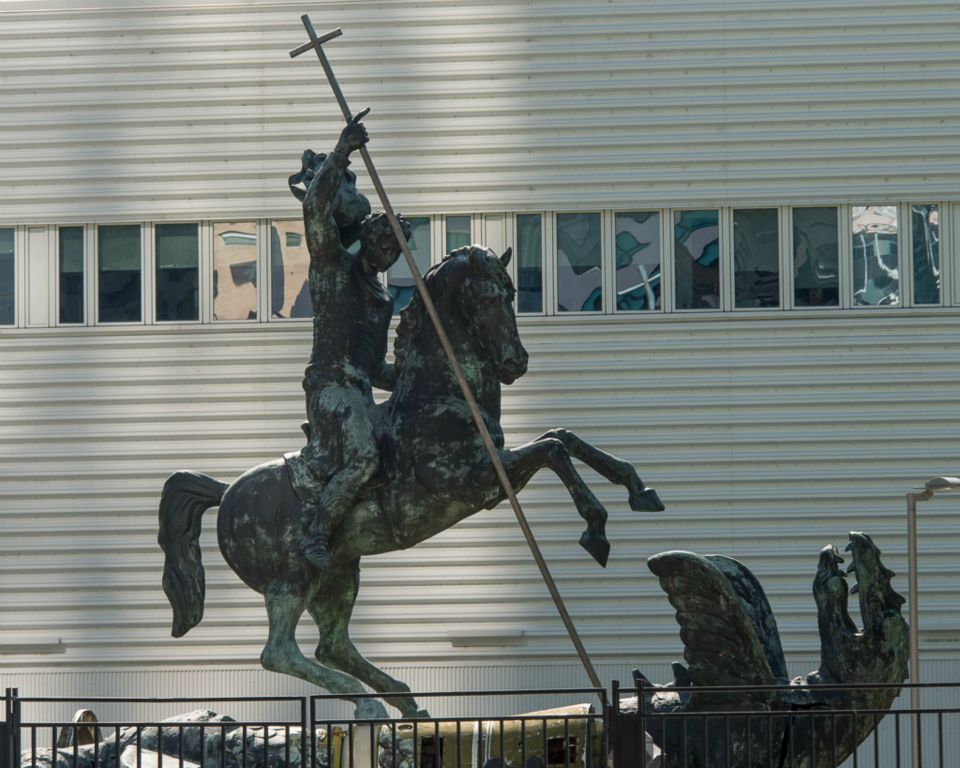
(349, 207)
(379, 249)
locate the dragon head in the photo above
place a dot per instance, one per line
(878, 652)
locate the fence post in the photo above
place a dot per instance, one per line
(11, 751)
(611, 715)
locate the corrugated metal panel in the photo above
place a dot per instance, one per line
(146, 111)
(767, 438)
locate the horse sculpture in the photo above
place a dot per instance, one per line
(434, 473)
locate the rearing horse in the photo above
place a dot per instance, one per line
(435, 473)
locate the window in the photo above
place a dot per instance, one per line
(70, 267)
(529, 262)
(579, 276)
(876, 270)
(925, 224)
(177, 272)
(458, 232)
(756, 258)
(696, 258)
(8, 283)
(118, 273)
(637, 254)
(235, 270)
(816, 256)
(289, 270)
(399, 280)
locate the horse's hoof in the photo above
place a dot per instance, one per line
(646, 501)
(370, 709)
(422, 714)
(597, 545)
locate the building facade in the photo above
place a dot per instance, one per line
(737, 237)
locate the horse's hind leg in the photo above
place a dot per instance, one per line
(523, 462)
(282, 654)
(331, 608)
(642, 499)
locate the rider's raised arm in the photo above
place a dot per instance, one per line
(323, 236)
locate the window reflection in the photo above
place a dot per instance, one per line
(178, 272)
(816, 254)
(458, 232)
(756, 258)
(579, 286)
(399, 280)
(876, 271)
(235, 270)
(925, 222)
(637, 246)
(118, 273)
(529, 262)
(696, 243)
(289, 270)
(8, 285)
(70, 267)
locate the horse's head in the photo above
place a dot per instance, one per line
(471, 287)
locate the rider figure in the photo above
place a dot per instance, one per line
(351, 316)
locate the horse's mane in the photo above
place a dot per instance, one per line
(437, 279)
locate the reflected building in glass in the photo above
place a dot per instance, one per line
(8, 283)
(400, 282)
(637, 261)
(925, 229)
(756, 258)
(289, 270)
(696, 244)
(816, 257)
(876, 269)
(235, 270)
(579, 276)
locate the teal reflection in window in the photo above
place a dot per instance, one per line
(529, 262)
(71, 274)
(178, 272)
(876, 268)
(579, 277)
(458, 232)
(816, 256)
(925, 223)
(118, 273)
(637, 242)
(399, 280)
(696, 255)
(8, 285)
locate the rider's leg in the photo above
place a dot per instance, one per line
(358, 462)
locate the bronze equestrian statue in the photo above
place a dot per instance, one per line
(431, 471)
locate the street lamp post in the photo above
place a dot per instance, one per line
(931, 487)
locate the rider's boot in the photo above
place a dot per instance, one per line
(314, 547)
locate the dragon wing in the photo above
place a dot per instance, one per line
(722, 646)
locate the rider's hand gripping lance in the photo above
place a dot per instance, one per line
(316, 43)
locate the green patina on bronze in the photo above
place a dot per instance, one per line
(424, 465)
(731, 639)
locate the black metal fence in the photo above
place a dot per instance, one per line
(676, 728)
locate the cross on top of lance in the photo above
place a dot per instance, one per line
(315, 42)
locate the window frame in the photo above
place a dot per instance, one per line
(724, 238)
(552, 256)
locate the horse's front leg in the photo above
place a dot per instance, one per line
(642, 499)
(523, 462)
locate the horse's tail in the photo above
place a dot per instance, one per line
(186, 496)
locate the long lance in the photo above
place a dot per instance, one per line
(316, 43)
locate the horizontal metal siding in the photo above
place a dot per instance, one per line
(146, 111)
(767, 439)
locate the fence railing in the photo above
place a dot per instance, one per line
(677, 727)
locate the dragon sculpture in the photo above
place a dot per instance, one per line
(731, 639)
